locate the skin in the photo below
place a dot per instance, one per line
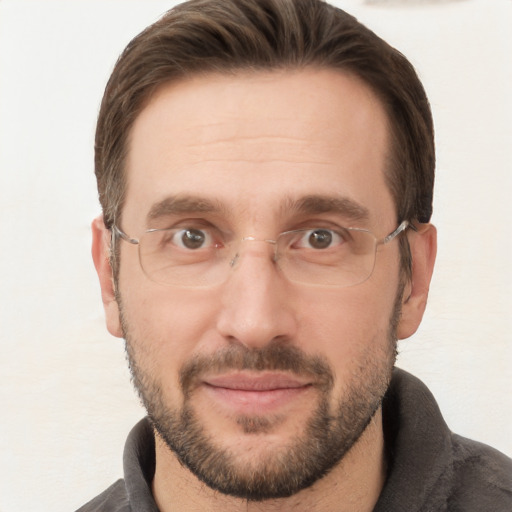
(249, 141)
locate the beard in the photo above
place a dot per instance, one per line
(328, 434)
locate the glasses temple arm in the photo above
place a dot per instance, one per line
(116, 232)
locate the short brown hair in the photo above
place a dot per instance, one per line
(204, 36)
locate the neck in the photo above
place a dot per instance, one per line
(353, 485)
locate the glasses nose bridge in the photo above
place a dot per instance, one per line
(239, 246)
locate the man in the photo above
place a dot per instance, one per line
(265, 169)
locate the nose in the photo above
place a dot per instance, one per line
(256, 302)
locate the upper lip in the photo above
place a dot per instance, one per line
(264, 381)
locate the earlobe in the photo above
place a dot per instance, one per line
(101, 258)
(423, 244)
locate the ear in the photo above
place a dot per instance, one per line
(423, 244)
(101, 258)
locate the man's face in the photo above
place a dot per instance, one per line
(259, 384)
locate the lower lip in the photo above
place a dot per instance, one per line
(255, 402)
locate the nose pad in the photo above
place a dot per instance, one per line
(233, 261)
(236, 257)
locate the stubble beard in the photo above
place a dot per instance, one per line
(329, 433)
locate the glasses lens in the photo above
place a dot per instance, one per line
(181, 257)
(341, 257)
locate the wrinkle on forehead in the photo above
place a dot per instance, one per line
(262, 139)
(236, 143)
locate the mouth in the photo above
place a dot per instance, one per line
(255, 393)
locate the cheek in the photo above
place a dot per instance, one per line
(346, 327)
(165, 328)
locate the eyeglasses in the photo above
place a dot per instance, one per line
(201, 256)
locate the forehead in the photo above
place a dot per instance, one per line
(253, 142)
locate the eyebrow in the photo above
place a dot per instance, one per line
(306, 205)
(318, 204)
(176, 205)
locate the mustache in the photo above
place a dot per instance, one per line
(275, 356)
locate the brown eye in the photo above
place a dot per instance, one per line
(192, 238)
(320, 238)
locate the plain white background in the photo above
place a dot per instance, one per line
(66, 402)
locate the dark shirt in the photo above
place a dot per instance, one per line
(430, 468)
